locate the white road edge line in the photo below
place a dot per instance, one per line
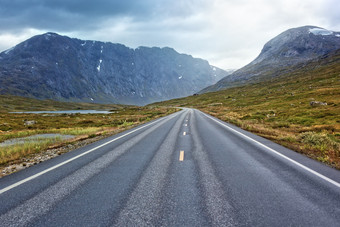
(71, 159)
(279, 154)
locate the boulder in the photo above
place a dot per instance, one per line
(317, 103)
(28, 123)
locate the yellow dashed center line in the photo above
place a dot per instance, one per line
(181, 156)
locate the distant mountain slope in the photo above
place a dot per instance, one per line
(290, 48)
(299, 109)
(51, 66)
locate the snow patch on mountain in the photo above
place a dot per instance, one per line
(320, 31)
(100, 62)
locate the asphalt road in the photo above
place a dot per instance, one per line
(187, 169)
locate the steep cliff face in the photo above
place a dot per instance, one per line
(290, 48)
(51, 66)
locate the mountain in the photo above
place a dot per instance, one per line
(281, 54)
(51, 66)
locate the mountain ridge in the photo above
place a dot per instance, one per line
(51, 66)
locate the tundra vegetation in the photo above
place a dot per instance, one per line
(299, 109)
(81, 126)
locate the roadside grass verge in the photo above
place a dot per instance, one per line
(281, 109)
(18, 151)
(82, 126)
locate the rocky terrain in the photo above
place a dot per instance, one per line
(280, 55)
(51, 66)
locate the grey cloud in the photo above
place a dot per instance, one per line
(330, 11)
(66, 15)
(228, 32)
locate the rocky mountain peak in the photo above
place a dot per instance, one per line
(299, 44)
(291, 48)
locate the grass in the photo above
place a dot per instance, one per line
(9, 103)
(80, 125)
(19, 151)
(279, 108)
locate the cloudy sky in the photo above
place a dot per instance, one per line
(228, 33)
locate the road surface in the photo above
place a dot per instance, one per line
(187, 169)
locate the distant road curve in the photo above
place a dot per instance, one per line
(186, 169)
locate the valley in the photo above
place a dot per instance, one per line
(289, 94)
(170, 113)
(288, 109)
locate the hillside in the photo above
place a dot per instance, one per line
(51, 66)
(289, 109)
(10, 103)
(291, 48)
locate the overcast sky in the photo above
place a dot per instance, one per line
(227, 33)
